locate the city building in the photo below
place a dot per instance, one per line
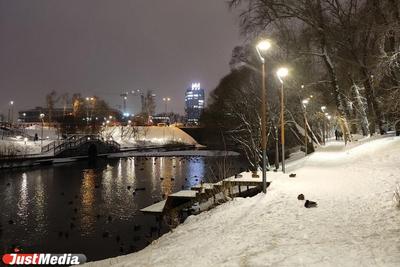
(33, 115)
(194, 103)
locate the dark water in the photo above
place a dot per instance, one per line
(87, 208)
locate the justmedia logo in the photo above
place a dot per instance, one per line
(43, 259)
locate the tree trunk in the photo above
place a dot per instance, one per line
(374, 111)
(362, 110)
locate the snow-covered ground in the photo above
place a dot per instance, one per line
(12, 146)
(152, 135)
(128, 137)
(355, 224)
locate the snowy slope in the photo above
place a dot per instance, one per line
(141, 135)
(355, 223)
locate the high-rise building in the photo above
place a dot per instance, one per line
(194, 103)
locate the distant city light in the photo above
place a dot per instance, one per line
(195, 86)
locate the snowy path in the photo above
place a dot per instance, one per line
(355, 224)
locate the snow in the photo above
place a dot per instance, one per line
(141, 137)
(185, 194)
(147, 135)
(155, 208)
(356, 222)
(50, 133)
(21, 147)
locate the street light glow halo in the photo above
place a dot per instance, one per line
(264, 45)
(282, 72)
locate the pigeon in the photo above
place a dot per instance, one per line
(310, 204)
(300, 197)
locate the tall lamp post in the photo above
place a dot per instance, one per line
(305, 103)
(323, 108)
(11, 112)
(42, 119)
(282, 73)
(329, 123)
(262, 47)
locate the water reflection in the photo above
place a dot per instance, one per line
(91, 208)
(88, 201)
(23, 199)
(39, 198)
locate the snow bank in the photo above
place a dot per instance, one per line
(139, 135)
(355, 224)
(14, 146)
(48, 132)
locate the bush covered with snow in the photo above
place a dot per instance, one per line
(8, 149)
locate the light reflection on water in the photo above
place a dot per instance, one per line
(91, 209)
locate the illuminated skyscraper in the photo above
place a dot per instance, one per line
(194, 103)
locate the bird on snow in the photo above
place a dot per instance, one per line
(300, 197)
(310, 204)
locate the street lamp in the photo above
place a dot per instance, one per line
(262, 47)
(41, 138)
(282, 73)
(323, 108)
(11, 112)
(305, 103)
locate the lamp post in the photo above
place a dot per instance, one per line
(262, 47)
(11, 112)
(329, 123)
(42, 119)
(323, 108)
(282, 73)
(305, 103)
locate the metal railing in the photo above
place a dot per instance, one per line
(76, 141)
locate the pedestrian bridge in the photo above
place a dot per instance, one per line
(81, 145)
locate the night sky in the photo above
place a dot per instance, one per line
(106, 47)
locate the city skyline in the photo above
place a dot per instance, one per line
(105, 49)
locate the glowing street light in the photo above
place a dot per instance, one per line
(282, 73)
(262, 47)
(323, 108)
(11, 112)
(305, 103)
(42, 119)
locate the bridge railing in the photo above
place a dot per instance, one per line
(76, 141)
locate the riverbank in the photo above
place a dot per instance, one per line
(355, 223)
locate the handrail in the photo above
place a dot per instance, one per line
(72, 142)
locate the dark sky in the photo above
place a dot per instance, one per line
(105, 47)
